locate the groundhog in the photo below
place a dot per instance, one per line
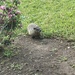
(34, 30)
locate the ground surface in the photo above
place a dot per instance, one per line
(40, 57)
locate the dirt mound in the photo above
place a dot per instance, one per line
(40, 57)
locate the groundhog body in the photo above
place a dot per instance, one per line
(34, 30)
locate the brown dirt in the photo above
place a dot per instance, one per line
(40, 57)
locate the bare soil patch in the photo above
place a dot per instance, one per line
(40, 57)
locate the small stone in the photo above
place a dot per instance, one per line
(68, 47)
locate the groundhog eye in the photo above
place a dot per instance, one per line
(36, 29)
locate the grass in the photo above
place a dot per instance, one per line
(63, 59)
(55, 17)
